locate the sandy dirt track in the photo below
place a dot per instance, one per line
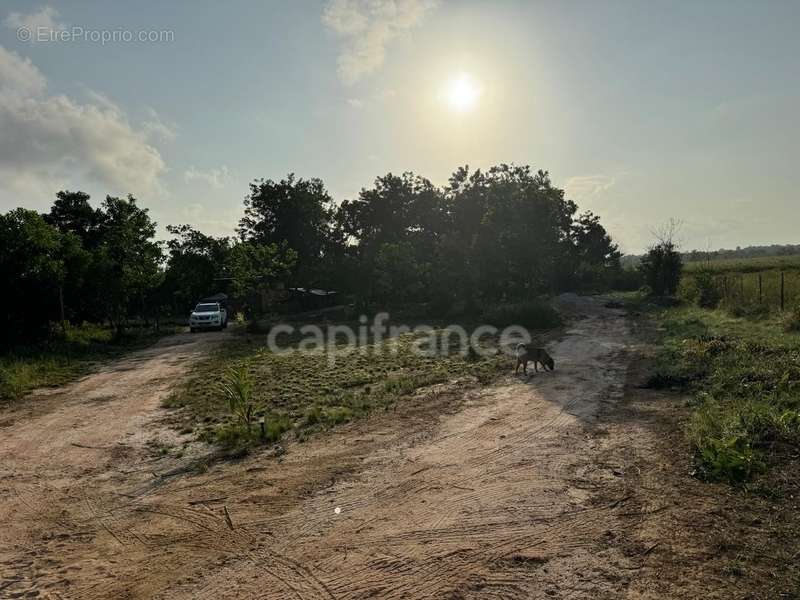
(514, 490)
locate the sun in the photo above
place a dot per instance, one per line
(462, 93)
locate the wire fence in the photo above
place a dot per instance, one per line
(776, 289)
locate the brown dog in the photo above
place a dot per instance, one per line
(536, 355)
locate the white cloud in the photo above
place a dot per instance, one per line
(44, 18)
(365, 28)
(156, 128)
(585, 186)
(213, 177)
(54, 139)
(355, 102)
(19, 77)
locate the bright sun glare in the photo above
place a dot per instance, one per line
(462, 93)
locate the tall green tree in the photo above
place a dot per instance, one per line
(31, 262)
(254, 269)
(126, 265)
(293, 213)
(195, 264)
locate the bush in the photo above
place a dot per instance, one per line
(661, 268)
(708, 294)
(532, 315)
(791, 319)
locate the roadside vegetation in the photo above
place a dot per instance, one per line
(67, 353)
(744, 376)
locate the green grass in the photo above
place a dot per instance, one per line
(745, 379)
(302, 392)
(746, 265)
(65, 356)
(751, 286)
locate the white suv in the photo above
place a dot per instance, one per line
(208, 315)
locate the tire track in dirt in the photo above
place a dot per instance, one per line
(67, 453)
(498, 499)
(486, 507)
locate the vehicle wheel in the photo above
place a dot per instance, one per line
(192, 330)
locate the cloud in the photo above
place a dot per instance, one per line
(584, 186)
(157, 129)
(213, 177)
(365, 28)
(54, 138)
(45, 18)
(355, 102)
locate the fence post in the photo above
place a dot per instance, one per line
(783, 289)
(741, 286)
(759, 288)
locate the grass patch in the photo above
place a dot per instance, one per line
(745, 378)
(301, 392)
(68, 354)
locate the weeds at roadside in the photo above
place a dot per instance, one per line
(745, 377)
(69, 353)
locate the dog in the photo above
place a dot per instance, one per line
(536, 355)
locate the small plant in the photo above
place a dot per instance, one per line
(237, 388)
(239, 317)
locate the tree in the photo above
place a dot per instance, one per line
(662, 266)
(195, 260)
(254, 267)
(395, 227)
(596, 259)
(127, 261)
(72, 213)
(32, 260)
(292, 213)
(398, 275)
(515, 226)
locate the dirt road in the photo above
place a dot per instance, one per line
(518, 490)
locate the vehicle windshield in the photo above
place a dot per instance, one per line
(206, 308)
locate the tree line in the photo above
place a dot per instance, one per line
(505, 234)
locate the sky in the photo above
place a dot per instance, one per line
(642, 111)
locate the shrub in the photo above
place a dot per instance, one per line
(661, 268)
(791, 319)
(708, 294)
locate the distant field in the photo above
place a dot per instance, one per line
(753, 280)
(747, 265)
